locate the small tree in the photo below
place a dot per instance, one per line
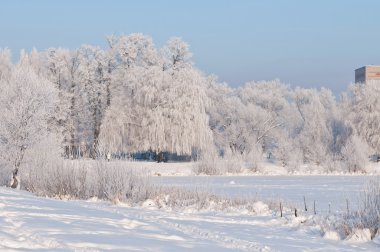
(26, 103)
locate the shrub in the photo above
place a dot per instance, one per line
(368, 215)
(85, 179)
(5, 174)
(370, 208)
(115, 182)
(201, 199)
(208, 166)
(355, 154)
(213, 165)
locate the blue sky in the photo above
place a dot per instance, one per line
(305, 43)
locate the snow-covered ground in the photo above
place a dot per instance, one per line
(154, 168)
(30, 223)
(325, 190)
(266, 168)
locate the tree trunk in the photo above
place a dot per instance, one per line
(15, 182)
(108, 84)
(72, 107)
(96, 132)
(97, 118)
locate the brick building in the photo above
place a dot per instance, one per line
(367, 73)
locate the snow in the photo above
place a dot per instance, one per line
(360, 235)
(266, 168)
(156, 169)
(331, 235)
(260, 207)
(376, 239)
(134, 97)
(35, 223)
(325, 190)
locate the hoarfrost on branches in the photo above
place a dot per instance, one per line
(133, 97)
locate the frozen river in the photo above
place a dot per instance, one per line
(325, 190)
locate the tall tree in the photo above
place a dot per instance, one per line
(92, 79)
(157, 106)
(365, 112)
(315, 132)
(26, 103)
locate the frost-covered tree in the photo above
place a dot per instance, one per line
(155, 108)
(365, 112)
(250, 120)
(355, 154)
(176, 54)
(131, 60)
(269, 106)
(312, 130)
(62, 67)
(57, 71)
(36, 61)
(219, 111)
(5, 63)
(92, 96)
(187, 123)
(26, 104)
(315, 134)
(135, 49)
(133, 97)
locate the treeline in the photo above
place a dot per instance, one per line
(133, 97)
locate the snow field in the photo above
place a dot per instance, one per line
(324, 190)
(35, 223)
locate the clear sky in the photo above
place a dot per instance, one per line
(301, 42)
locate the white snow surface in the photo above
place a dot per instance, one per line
(266, 168)
(30, 223)
(158, 169)
(330, 193)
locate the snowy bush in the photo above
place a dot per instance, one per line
(355, 154)
(201, 199)
(213, 165)
(355, 225)
(253, 159)
(288, 154)
(174, 197)
(233, 164)
(208, 165)
(115, 182)
(5, 174)
(370, 209)
(294, 162)
(56, 178)
(39, 161)
(82, 180)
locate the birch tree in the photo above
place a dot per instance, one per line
(26, 103)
